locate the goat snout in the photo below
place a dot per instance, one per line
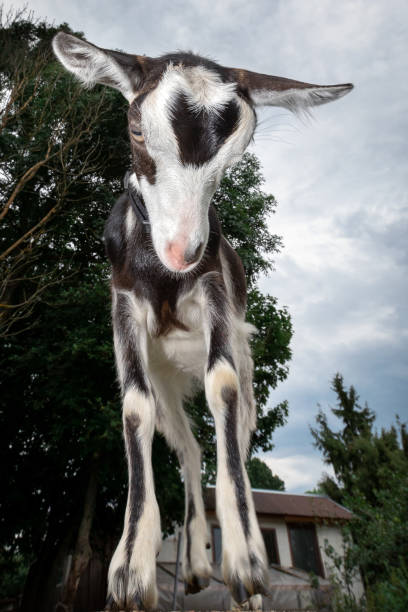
(181, 256)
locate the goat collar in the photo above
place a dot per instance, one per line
(137, 202)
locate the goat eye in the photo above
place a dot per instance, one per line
(138, 135)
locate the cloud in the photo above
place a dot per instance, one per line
(300, 472)
(340, 180)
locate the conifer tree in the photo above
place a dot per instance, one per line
(371, 479)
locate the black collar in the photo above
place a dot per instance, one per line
(137, 202)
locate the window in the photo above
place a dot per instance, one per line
(304, 548)
(217, 545)
(271, 545)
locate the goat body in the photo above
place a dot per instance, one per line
(178, 302)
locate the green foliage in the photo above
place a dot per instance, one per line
(390, 594)
(243, 207)
(383, 595)
(315, 491)
(380, 528)
(13, 570)
(371, 479)
(343, 572)
(261, 477)
(61, 154)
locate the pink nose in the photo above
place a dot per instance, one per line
(181, 258)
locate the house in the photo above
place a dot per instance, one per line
(295, 530)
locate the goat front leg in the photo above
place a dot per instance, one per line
(132, 571)
(244, 557)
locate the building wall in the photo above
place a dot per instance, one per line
(281, 536)
(168, 551)
(329, 532)
(332, 534)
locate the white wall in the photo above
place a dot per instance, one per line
(333, 535)
(168, 551)
(330, 532)
(282, 538)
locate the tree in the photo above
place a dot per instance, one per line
(361, 459)
(344, 450)
(371, 479)
(261, 477)
(52, 152)
(60, 418)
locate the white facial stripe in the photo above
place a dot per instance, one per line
(177, 205)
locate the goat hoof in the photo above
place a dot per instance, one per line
(136, 603)
(258, 588)
(111, 605)
(195, 584)
(239, 591)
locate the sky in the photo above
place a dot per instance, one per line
(340, 180)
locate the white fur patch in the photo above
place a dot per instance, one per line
(206, 89)
(178, 201)
(90, 64)
(130, 221)
(299, 100)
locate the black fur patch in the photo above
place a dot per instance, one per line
(137, 268)
(137, 493)
(189, 517)
(201, 133)
(237, 275)
(215, 292)
(133, 370)
(230, 398)
(143, 163)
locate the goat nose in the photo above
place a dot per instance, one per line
(192, 254)
(180, 257)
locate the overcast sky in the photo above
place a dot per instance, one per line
(340, 181)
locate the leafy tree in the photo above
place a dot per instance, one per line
(58, 150)
(371, 479)
(390, 594)
(242, 207)
(261, 476)
(60, 418)
(315, 491)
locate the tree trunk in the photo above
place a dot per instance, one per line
(83, 551)
(39, 587)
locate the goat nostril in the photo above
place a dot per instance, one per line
(191, 255)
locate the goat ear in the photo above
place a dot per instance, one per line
(91, 64)
(265, 90)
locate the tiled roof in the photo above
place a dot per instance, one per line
(290, 505)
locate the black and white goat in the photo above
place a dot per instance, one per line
(179, 296)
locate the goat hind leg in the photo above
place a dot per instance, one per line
(172, 421)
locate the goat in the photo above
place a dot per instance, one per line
(179, 299)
